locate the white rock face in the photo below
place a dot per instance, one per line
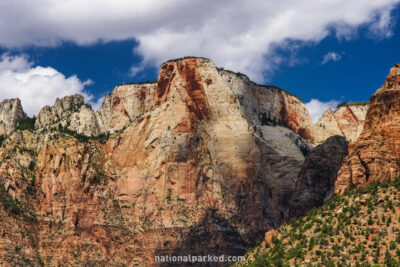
(10, 113)
(61, 110)
(69, 112)
(347, 121)
(260, 105)
(85, 122)
(124, 104)
(268, 105)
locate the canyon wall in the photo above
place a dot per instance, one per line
(347, 120)
(375, 155)
(201, 162)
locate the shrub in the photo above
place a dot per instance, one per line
(27, 124)
(2, 139)
(360, 103)
(9, 203)
(32, 165)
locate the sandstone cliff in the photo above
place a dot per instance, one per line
(11, 113)
(124, 105)
(201, 162)
(374, 156)
(347, 120)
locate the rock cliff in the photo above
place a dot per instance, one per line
(201, 162)
(71, 113)
(124, 105)
(316, 180)
(347, 120)
(11, 113)
(374, 156)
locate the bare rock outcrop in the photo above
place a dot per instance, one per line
(124, 104)
(192, 168)
(69, 112)
(375, 154)
(347, 120)
(316, 180)
(11, 113)
(268, 105)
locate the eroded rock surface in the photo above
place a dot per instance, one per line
(11, 113)
(375, 155)
(316, 180)
(198, 163)
(69, 112)
(347, 120)
(202, 162)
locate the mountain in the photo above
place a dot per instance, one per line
(375, 155)
(11, 113)
(360, 226)
(316, 179)
(347, 120)
(203, 161)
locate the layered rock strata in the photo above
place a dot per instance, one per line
(347, 120)
(202, 162)
(11, 113)
(375, 155)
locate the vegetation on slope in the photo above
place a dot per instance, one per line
(360, 228)
(102, 138)
(27, 124)
(360, 103)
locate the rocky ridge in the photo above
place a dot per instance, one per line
(195, 157)
(374, 156)
(11, 113)
(266, 106)
(347, 120)
(204, 160)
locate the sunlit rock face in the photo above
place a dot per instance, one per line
(375, 154)
(347, 120)
(11, 113)
(203, 161)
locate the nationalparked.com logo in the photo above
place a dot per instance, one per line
(197, 258)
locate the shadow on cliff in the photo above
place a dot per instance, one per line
(213, 236)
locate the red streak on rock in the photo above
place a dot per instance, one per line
(197, 101)
(164, 82)
(116, 101)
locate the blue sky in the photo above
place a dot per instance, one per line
(330, 51)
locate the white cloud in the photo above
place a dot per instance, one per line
(316, 108)
(36, 86)
(331, 56)
(236, 34)
(96, 105)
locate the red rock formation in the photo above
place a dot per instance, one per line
(375, 156)
(192, 167)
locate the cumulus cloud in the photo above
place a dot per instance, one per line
(36, 86)
(316, 108)
(331, 56)
(236, 34)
